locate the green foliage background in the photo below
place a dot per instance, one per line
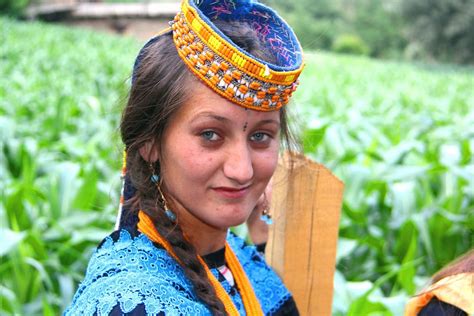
(320, 24)
(428, 30)
(401, 136)
(423, 29)
(60, 155)
(446, 28)
(13, 7)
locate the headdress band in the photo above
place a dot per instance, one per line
(229, 70)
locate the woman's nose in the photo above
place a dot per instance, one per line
(238, 165)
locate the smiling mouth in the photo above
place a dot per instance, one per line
(232, 193)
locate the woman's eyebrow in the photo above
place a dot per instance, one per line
(213, 116)
(270, 121)
(229, 121)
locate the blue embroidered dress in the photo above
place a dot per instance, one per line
(130, 275)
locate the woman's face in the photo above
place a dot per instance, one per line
(217, 158)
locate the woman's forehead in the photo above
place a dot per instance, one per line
(206, 104)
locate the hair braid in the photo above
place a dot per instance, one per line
(146, 200)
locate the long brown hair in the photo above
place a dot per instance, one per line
(162, 83)
(463, 264)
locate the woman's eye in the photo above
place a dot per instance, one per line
(259, 137)
(209, 135)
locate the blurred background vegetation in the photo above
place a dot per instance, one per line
(395, 123)
(422, 29)
(428, 30)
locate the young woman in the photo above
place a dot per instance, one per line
(202, 132)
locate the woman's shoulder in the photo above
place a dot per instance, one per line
(129, 272)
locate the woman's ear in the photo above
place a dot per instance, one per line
(149, 152)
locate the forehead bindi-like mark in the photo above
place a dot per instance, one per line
(246, 122)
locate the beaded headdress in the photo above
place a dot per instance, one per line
(226, 68)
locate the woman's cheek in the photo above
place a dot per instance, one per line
(268, 162)
(199, 163)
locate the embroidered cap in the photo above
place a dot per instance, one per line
(228, 69)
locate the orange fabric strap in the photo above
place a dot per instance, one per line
(251, 303)
(457, 290)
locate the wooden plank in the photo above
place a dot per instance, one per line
(302, 243)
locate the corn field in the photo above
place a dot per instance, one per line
(401, 137)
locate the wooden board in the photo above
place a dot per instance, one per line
(302, 242)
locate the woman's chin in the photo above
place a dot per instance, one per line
(233, 219)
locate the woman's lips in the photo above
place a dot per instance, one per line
(232, 193)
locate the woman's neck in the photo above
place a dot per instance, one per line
(204, 241)
(204, 237)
